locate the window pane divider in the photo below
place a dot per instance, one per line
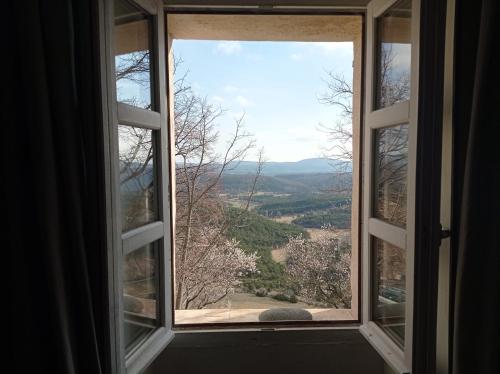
(385, 231)
(132, 116)
(141, 236)
(392, 115)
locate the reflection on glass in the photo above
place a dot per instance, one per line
(139, 294)
(137, 189)
(132, 55)
(390, 169)
(393, 55)
(389, 289)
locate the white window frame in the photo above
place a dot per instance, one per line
(399, 359)
(120, 244)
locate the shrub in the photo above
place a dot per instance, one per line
(287, 296)
(261, 292)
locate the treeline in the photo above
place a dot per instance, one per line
(338, 218)
(294, 205)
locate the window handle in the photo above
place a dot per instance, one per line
(445, 232)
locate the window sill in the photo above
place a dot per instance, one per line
(217, 316)
(285, 351)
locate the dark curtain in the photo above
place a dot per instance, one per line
(476, 237)
(52, 188)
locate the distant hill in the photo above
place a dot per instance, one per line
(241, 183)
(310, 165)
(287, 183)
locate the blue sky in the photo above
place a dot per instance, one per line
(276, 85)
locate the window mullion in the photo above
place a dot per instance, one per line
(138, 117)
(141, 236)
(390, 233)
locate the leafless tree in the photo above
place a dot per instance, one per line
(393, 87)
(393, 80)
(390, 177)
(134, 67)
(200, 221)
(339, 94)
(136, 176)
(208, 265)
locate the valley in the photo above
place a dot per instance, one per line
(283, 206)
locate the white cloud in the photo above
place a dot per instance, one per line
(228, 48)
(243, 101)
(296, 56)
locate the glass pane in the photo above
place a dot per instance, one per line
(140, 294)
(132, 55)
(137, 176)
(393, 55)
(391, 162)
(389, 289)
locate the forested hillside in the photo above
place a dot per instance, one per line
(259, 234)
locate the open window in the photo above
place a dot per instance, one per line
(140, 182)
(389, 178)
(265, 239)
(147, 202)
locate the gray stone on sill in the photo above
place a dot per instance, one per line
(285, 314)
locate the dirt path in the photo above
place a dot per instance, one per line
(279, 255)
(284, 219)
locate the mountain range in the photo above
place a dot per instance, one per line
(272, 168)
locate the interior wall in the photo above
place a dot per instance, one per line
(310, 351)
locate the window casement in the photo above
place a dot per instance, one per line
(140, 199)
(390, 131)
(139, 182)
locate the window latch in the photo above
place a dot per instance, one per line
(444, 232)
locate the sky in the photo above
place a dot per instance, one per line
(275, 84)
